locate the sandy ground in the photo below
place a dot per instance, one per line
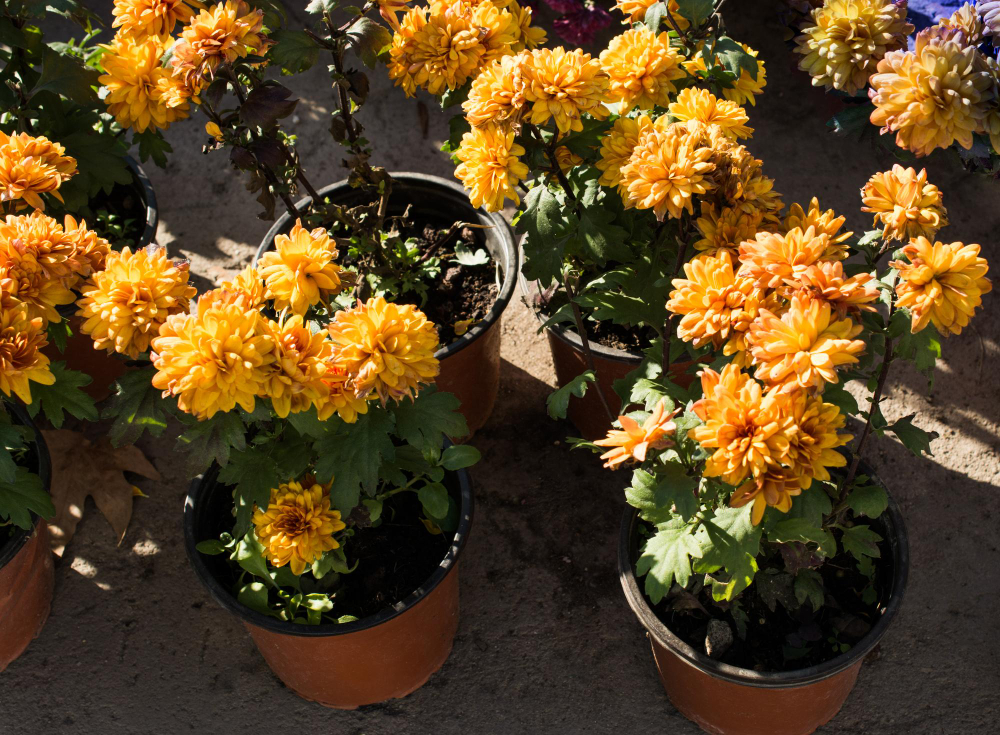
(546, 643)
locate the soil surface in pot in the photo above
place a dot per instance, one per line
(781, 634)
(606, 332)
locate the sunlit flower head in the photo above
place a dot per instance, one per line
(490, 167)
(942, 283)
(497, 94)
(617, 146)
(725, 229)
(124, 305)
(300, 272)
(812, 436)
(387, 348)
(220, 34)
(563, 85)
(140, 19)
(636, 10)
(905, 203)
(529, 36)
(66, 252)
(21, 358)
(220, 357)
(773, 259)
(968, 21)
(824, 222)
(804, 346)
(298, 525)
(31, 166)
(246, 288)
(25, 278)
(825, 281)
(301, 362)
(642, 68)
(633, 441)
(745, 87)
(341, 398)
(699, 104)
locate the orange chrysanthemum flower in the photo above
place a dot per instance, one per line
(301, 363)
(300, 273)
(825, 281)
(745, 88)
(124, 305)
(804, 346)
(141, 19)
(642, 68)
(529, 36)
(246, 288)
(824, 222)
(490, 167)
(220, 34)
(21, 360)
(563, 85)
(66, 252)
(636, 10)
(812, 427)
(31, 166)
(141, 93)
(702, 106)
(298, 526)
(725, 229)
(25, 277)
(617, 146)
(341, 397)
(632, 441)
(941, 284)
(905, 203)
(497, 94)
(773, 259)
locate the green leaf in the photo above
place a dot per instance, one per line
(425, 421)
(666, 558)
(351, 454)
(249, 554)
(374, 507)
(861, 541)
(152, 145)
(211, 440)
(318, 7)
(654, 16)
(136, 407)
(913, 437)
(211, 547)
(841, 398)
(62, 397)
(100, 160)
(545, 222)
(809, 586)
(852, 120)
(661, 496)
(696, 11)
(729, 541)
(368, 39)
(452, 97)
(254, 596)
(67, 76)
(458, 456)
(801, 530)
(922, 348)
(868, 500)
(734, 58)
(811, 505)
(267, 104)
(558, 401)
(434, 498)
(293, 51)
(621, 308)
(253, 474)
(601, 239)
(22, 497)
(12, 439)
(466, 256)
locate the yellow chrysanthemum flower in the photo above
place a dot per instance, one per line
(65, 252)
(246, 288)
(933, 96)
(497, 94)
(632, 441)
(23, 278)
(301, 362)
(141, 93)
(666, 171)
(716, 305)
(21, 360)
(636, 11)
(31, 166)
(905, 203)
(825, 222)
(490, 167)
(845, 40)
(701, 105)
(739, 178)
(725, 229)
(773, 259)
(529, 36)
(942, 284)
(300, 272)
(825, 281)
(563, 85)
(775, 488)
(812, 436)
(90, 250)
(642, 68)
(617, 146)
(141, 19)
(387, 348)
(124, 305)
(215, 359)
(298, 526)
(968, 21)
(220, 34)
(341, 397)
(804, 346)
(745, 88)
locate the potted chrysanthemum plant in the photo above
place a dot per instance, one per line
(937, 89)
(623, 160)
(760, 551)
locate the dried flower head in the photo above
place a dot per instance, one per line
(141, 93)
(702, 106)
(300, 272)
(298, 526)
(905, 204)
(739, 178)
(642, 68)
(220, 34)
(141, 19)
(632, 441)
(490, 166)
(21, 360)
(31, 166)
(563, 85)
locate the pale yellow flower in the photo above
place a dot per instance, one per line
(21, 359)
(497, 94)
(301, 362)
(617, 146)
(141, 93)
(300, 272)
(140, 19)
(701, 105)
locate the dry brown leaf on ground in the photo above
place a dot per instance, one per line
(80, 468)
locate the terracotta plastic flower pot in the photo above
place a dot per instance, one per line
(105, 368)
(345, 666)
(27, 573)
(470, 366)
(728, 700)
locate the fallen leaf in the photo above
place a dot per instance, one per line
(80, 468)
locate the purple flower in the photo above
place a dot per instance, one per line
(580, 27)
(565, 6)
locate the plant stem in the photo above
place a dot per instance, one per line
(439, 242)
(587, 353)
(550, 152)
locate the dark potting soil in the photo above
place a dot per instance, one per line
(779, 639)
(606, 333)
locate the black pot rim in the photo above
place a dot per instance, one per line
(149, 196)
(767, 679)
(223, 596)
(568, 335)
(502, 229)
(20, 536)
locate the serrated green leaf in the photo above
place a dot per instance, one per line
(913, 437)
(803, 531)
(809, 587)
(861, 541)
(211, 440)
(730, 542)
(22, 497)
(62, 397)
(136, 407)
(368, 39)
(425, 421)
(252, 474)
(661, 496)
(812, 505)
(841, 398)
(648, 393)
(696, 11)
(545, 222)
(557, 402)
(666, 558)
(868, 500)
(351, 455)
(68, 77)
(293, 51)
(152, 145)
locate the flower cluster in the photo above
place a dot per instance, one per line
(29, 167)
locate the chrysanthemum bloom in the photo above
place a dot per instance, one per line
(666, 170)
(90, 250)
(31, 166)
(215, 359)
(825, 281)
(943, 284)
(65, 252)
(298, 526)
(699, 104)
(220, 34)
(246, 288)
(632, 441)
(812, 436)
(124, 305)
(716, 305)
(21, 358)
(567, 159)
(739, 178)
(773, 259)
(388, 9)
(300, 366)
(932, 96)
(968, 21)
(804, 346)
(497, 94)
(824, 223)
(490, 167)
(157, 18)
(775, 488)
(387, 348)
(990, 12)
(725, 229)
(617, 146)
(141, 93)
(24, 279)
(642, 68)
(845, 40)
(745, 87)
(563, 85)
(341, 397)
(300, 272)
(529, 36)
(636, 10)
(498, 29)
(905, 203)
